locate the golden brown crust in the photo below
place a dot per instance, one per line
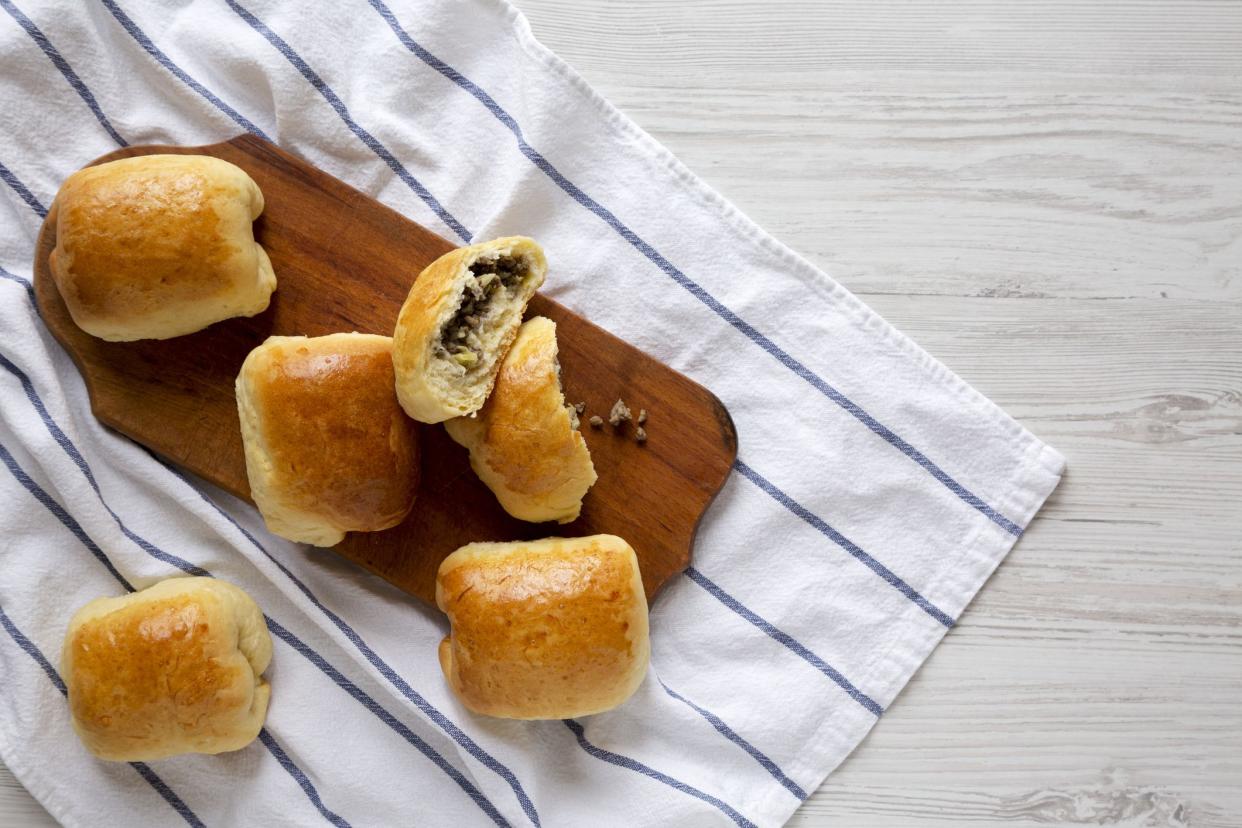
(421, 315)
(522, 442)
(545, 629)
(328, 449)
(171, 669)
(158, 246)
(427, 393)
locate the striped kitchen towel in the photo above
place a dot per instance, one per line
(873, 495)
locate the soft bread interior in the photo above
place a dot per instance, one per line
(478, 325)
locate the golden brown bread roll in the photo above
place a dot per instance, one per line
(457, 322)
(546, 629)
(174, 668)
(524, 443)
(328, 449)
(159, 246)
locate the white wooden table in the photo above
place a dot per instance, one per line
(1048, 197)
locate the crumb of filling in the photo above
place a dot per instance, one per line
(620, 413)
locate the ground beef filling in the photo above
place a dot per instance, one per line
(459, 340)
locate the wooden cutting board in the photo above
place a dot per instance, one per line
(344, 262)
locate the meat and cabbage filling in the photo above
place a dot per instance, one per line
(460, 340)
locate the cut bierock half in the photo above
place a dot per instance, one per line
(457, 323)
(524, 443)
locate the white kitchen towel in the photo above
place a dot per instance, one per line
(874, 492)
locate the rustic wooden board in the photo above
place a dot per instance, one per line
(344, 262)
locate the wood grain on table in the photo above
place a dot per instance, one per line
(1047, 197)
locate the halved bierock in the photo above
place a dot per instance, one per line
(328, 449)
(524, 442)
(457, 323)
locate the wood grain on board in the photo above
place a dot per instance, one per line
(344, 262)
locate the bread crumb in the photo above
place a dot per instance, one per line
(640, 434)
(580, 407)
(642, 416)
(596, 421)
(620, 413)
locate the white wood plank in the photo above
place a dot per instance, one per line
(17, 807)
(655, 39)
(1106, 193)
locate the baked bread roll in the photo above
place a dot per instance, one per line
(546, 629)
(457, 323)
(159, 246)
(328, 449)
(174, 668)
(524, 442)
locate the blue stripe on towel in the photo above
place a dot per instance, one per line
(29, 646)
(338, 105)
(785, 639)
(729, 733)
(696, 290)
(60, 63)
(65, 443)
(30, 291)
(390, 720)
(151, 49)
(64, 517)
(160, 786)
(22, 190)
(845, 543)
(638, 767)
(288, 764)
